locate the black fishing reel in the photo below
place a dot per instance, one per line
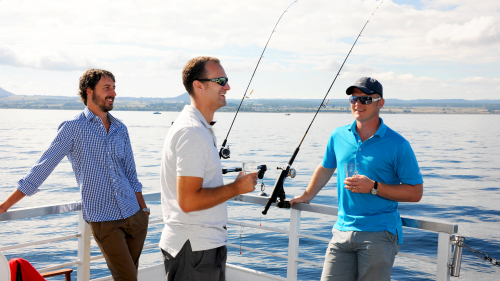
(225, 152)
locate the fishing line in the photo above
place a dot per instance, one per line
(278, 190)
(224, 151)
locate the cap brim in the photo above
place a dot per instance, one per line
(363, 89)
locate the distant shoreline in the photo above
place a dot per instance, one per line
(392, 106)
(388, 110)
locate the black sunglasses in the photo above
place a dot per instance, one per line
(221, 80)
(363, 100)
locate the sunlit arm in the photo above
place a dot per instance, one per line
(319, 179)
(192, 197)
(401, 192)
(13, 199)
(395, 192)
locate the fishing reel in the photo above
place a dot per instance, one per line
(225, 152)
(291, 173)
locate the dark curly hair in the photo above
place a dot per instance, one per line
(195, 69)
(90, 79)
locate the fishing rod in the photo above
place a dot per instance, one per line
(278, 190)
(224, 151)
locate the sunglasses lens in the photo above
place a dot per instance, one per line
(362, 100)
(222, 81)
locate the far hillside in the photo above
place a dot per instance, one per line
(392, 106)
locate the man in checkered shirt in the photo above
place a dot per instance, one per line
(98, 147)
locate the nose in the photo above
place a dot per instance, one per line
(227, 87)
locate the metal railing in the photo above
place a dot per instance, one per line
(444, 230)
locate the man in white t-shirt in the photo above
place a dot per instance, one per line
(193, 194)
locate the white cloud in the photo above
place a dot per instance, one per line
(154, 38)
(476, 32)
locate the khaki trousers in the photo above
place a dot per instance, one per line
(121, 243)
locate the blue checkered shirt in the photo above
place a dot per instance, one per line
(103, 164)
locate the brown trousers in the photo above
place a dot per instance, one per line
(121, 243)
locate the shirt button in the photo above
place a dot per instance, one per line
(360, 149)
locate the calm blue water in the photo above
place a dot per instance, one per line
(458, 156)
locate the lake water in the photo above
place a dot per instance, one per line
(458, 157)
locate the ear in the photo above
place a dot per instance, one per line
(197, 87)
(89, 92)
(381, 103)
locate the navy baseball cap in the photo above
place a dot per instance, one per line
(367, 85)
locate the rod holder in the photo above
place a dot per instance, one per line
(458, 242)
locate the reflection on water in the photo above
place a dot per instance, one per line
(458, 156)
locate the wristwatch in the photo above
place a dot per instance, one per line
(147, 210)
(375, 188)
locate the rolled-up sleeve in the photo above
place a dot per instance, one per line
(57, 150)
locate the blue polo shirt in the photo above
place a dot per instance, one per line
(385, 157)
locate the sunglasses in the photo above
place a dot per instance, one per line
(363, 100)
(221, 80)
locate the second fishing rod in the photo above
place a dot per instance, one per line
(224, 150)
(278, 190)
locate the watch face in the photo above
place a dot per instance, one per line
(374, 191)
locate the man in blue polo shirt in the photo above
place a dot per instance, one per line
(368, 232)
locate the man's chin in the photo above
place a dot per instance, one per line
(106, 108)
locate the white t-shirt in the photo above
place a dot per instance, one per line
(190, 150)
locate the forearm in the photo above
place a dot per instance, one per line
(191, 195)
(140, 200)
(319, 179)
(401, 192)
(13, 199)
(206, 198)
(395, 192)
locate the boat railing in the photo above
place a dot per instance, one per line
(445, 235)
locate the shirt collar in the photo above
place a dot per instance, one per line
(198, 115)
(89, 115)
(380, 132)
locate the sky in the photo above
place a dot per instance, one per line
(429, 49)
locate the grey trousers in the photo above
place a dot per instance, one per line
(357, 255)
(208, 265)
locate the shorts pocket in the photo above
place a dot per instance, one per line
(393, 238)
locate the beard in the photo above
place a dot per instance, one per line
(102, 104)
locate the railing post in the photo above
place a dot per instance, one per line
(443, 257)
(293, 245)
(83, 269)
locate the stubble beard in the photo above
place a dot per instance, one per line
(102, 105)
